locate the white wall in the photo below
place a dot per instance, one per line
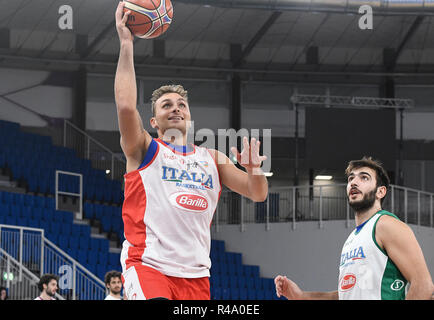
(308, 255)
(26, 88)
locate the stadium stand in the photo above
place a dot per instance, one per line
(232, 280)
(32, 160)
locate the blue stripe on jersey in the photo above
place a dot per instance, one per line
(179, 148)
(358, 228)
(153, 146)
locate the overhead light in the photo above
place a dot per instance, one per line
(321, 177)
(107, 171)
(268, 174)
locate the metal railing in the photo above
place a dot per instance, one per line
(19, 281)
(23, 287)
(318, 203)
(32, 251)
(87, 147)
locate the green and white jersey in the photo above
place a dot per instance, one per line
(365, 271)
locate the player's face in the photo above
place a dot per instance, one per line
(171, 112)
(362, 188)
(51, 288)
(115, 285)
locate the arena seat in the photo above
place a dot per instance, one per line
(230, 279)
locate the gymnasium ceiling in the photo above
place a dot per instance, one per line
(270, 40)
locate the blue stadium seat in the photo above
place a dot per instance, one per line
(258, 283)
(101, 271)
(66, 229)
(114, 259)
(104, 245)
(215, 281)
(250, 283)
(233, 281)
(39, 202)
(103, 258)
(243, 294)
(63, 242)
(234, 294)
(217, 295)
(33, 223)
(37, 213)
(74, 241)
(23, 222)
(226, 293)
(267, 283)
(251, 295)
(242, 282)
(84, 243)
(82, 256)
(224, 269)
(92, 258)
(224, 281)
(260, 295)
(5, 209)
(94, 244)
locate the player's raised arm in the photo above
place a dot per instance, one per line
(134, 139)
(251, 183)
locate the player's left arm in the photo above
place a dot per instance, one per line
(401, 245)
(251, 183)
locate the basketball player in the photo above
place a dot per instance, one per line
(113, 284)
(171, 189)
(381, 256)
(48, 287)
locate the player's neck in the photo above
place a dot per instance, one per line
(363, 216)
(114, 295)
(45, 296)
(178, 141)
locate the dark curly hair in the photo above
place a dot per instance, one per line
(111, 274)
(45, 279)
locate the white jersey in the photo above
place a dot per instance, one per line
(365, 271)
(110, 297)
(168, 209)
(39, 298)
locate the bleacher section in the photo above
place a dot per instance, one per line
(232, 280)
(32, 160)
(75, 239)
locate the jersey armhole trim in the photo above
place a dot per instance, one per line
(381, 213)
(150, 155)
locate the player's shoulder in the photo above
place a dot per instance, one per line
(388, 224)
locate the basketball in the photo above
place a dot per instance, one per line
(148, 18)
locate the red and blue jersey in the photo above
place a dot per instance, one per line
(169, 204)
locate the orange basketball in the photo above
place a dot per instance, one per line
(148, 18)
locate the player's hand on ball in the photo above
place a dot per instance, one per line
(121, 20)
(249, 157)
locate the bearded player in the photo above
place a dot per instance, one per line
(381, 257)
(171, 189)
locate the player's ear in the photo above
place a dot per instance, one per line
(381, 192)
(153, 123)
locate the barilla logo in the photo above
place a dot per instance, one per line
(347, 282)
(188, 201)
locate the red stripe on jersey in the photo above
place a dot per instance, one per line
(133, 214)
